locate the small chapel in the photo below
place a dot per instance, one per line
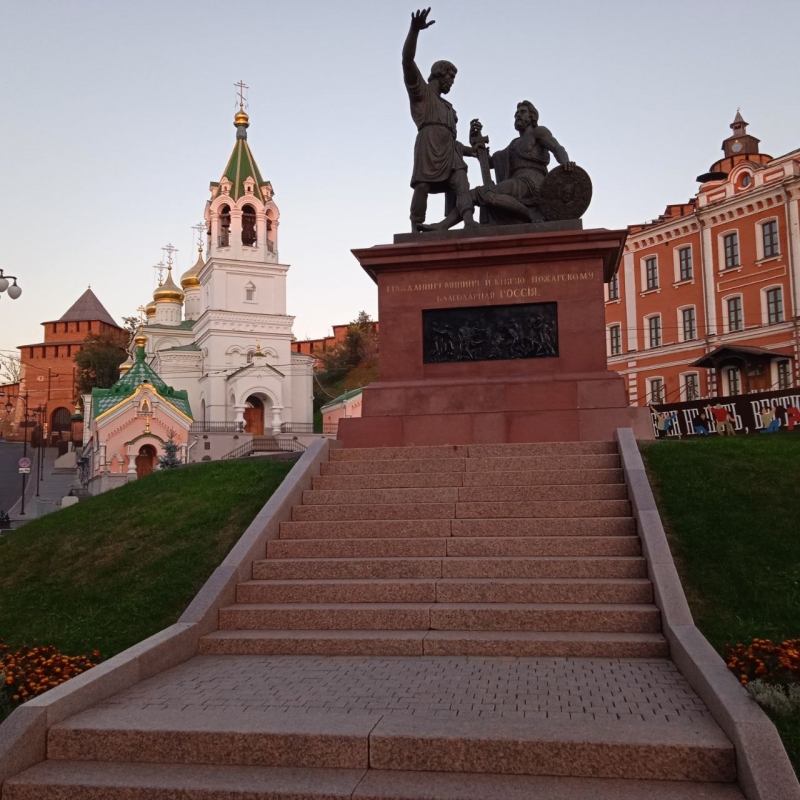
(223, 335)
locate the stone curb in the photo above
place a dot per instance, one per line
(23, 736)
(764, 771)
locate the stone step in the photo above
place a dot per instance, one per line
(545, 526)
(448, 590)
(283, 569)
(609, 618)
(267, 737)
(544, 508)
(366, 529)
(500, 644)
(587, 617)
(279, 737)
(356, 548)
(402, 453)
(542, 477)
(552, 462)
(512, 494)
(94, 780)
(598, 749)
(472, 451)
(437, 511)
(534, 546)
(423, 465)
(543, 590)
(378, 511)
(292, 569)
(396, 466)
(422, 480)
(398, 590)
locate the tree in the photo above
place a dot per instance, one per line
(131, 325)
(9, 368)
(170, 459)
(98, 360)
(351, 364)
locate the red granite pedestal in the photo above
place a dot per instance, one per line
(571, 397)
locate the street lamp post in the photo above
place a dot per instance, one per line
(14, 291)
(27, 415)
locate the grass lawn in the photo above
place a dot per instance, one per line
(731, 507)
(114, 569)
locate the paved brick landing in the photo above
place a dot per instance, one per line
(466, 688)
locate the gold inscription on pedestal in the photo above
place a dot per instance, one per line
(519, 286)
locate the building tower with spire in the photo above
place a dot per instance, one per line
(224, 335)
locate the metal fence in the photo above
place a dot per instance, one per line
(265, 445)
(309, 427)
(215, 427)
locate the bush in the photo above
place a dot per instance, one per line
(778, 699)
(30, 671)
(763, 660)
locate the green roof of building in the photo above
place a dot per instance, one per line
(342, 397)
(185, 325)
(193, 347)
(140, 373)
(242, 165)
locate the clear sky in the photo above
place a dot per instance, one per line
(114, 117)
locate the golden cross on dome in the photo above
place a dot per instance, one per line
(169, 250)
(142, 310)
(242, 88)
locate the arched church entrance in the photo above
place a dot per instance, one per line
(254, 415)
(145, 461)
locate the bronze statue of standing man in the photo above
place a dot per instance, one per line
(438, 155)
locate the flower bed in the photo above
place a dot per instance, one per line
(30, 671)
(766, 661)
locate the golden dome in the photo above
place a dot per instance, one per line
(140, 340)
(241, 118)
(123, 368)
(168, 292)
(191, 278)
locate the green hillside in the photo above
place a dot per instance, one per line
(731, 507)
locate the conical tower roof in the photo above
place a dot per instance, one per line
(87, 307)
(242, 164)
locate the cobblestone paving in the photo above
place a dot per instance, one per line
(463, 687)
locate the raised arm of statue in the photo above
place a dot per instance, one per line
(419, 21)
(551, 143)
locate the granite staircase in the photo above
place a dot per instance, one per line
(442, 623)
(493, 550)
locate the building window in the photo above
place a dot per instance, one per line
(784, 376)
(654, 325)
(651, 272)
(657, 391)
(735, 314)
(615, 336)
(731, 242)
(685, 261)
(689, 324)
(691, 386)
(613, 288)
(775, 305)
(250, 293)
(734, 382)
(746, 180)
(769, 233)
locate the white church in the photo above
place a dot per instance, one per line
(224, 335)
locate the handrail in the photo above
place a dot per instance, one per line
(309, 427)
(265, 444)
(216, 427)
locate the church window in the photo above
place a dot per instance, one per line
(225, 226)
(249, 226)
(250, 293)
(250, 354)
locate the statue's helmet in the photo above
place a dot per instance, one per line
(441, 68)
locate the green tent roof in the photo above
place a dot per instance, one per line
(242, 165)
(141, 372)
